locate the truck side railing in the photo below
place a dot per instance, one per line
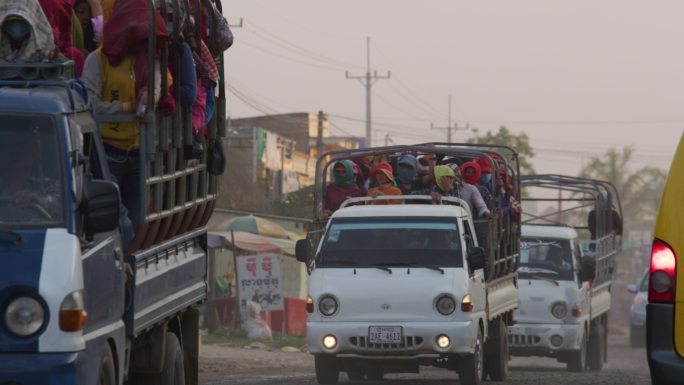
(178, 192)
(603, 251)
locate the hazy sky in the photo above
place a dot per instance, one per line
(577, 76)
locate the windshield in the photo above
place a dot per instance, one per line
(428, 242)
(546, 258)
(31, 192)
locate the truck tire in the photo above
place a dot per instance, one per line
(577, 360)
(597, 347)
(107, 374)
(471, 367)
(496, 353)
(327, 372)
(173, 372)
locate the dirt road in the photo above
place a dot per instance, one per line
(222, 366)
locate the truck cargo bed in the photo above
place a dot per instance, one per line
(167, 278)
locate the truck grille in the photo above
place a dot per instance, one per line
(523, 340)
(410, 343)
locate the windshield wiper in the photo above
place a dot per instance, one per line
(12, 235)
(541, 277)
(435, 268)
(379, 266)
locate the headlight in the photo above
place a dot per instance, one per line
(329, 342)
(327, 305)
(559, 310)
(445, 305)
(24, 316)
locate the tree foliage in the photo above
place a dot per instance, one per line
(520, 143)
(295, 204)
(639, 190)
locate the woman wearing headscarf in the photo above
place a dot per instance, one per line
(26, 35)
(342, 187)
(472, 174)
(116, 77)
(407, 175)
(446, 185)
(382, 175)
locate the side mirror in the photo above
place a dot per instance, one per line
(587, 270)
(302, 250)
(100, 206)
(632, 288)
(476, 258)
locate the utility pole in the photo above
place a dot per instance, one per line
(449, 127)
(388, 140)
(367, 81)
(319, 139)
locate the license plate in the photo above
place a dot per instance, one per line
(385, 335)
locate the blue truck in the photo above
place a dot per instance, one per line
(77, 304)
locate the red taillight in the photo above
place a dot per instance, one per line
(661, 287)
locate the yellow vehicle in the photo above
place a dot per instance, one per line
(665, 310)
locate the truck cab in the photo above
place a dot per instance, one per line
(394, 287)
(565, 275)
(554, 293)
(57, 221)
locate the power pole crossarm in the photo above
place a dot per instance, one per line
(367, 81)
(449, 127)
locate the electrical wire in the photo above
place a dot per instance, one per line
(279, 41)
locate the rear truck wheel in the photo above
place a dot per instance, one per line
(355, 375)
(596, 347)
(173, 372)
(471, 366)
(327, 372)
(497, 353)
(374, 373)
(577, 359)
(107, 374)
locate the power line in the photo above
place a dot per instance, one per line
(253, 46)
(277, 40)
(367, 81)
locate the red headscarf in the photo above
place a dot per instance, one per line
(59, 14)
(384, 168)
(126, 33)
(485, 166)
(473, 178)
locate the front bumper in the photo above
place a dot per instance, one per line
(419, 339)
(541, 337)
(666, 365)
(38, 368)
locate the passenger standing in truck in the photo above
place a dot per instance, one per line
(116, 78)
(384, 179)
(446, 186)
(407, 175)
(342, 188)
(26, 35)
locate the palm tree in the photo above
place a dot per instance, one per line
(639, 190)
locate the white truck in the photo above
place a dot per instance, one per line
(566, 272)
(396, 286)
